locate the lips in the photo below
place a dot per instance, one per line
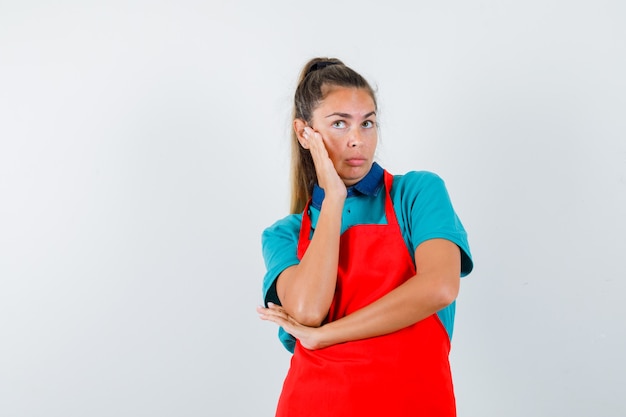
(356, 162)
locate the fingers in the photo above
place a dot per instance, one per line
(327, 175)
(312, 140)
(306, 135)
(279, 316)
(273, 313)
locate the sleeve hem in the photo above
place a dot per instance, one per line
(275, 273)
(467, 263)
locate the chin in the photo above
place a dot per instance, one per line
(352, 179)
(352, 175)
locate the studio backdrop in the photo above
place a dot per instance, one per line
(144, 147)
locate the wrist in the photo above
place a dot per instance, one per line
(323, 338)
(333, 202)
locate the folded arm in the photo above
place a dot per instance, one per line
(306, 290)
(435, 285)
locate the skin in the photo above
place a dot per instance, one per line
(342, 138)
(345, 123)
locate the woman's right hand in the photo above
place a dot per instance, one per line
(306, 290)
(327, 176)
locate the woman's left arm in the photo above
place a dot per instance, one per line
(434, 286)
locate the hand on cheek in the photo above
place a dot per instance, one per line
(327, 176)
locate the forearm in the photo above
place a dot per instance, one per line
(307, 289)
(413, 301)
(435, 286)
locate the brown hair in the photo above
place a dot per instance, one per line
(317, 75)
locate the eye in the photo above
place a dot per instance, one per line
(339, 124)
(368, 124)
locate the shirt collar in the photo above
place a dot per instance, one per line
(369, 185)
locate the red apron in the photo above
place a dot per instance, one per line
(405, 373)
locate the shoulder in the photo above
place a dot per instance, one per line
(415, 183)
(285, 229)
(417, 177)
(280, 248)
(424, 211)
(419, 195)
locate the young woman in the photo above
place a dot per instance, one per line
(362, 277)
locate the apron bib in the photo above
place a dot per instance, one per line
(405, 373)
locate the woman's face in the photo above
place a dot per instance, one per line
(346, 119)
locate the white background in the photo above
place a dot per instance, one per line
(144, 148)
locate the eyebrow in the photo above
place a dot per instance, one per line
(349, 116)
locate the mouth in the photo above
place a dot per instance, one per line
(356, 162)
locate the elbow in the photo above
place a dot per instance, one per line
(447, 297)
(309, 317)
(448, 292)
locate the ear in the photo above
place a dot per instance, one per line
(298, 127)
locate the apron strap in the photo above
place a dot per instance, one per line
(305, 228)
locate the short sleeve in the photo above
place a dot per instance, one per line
(280, 249)
(426, 212)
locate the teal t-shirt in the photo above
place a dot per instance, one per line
(423, 209)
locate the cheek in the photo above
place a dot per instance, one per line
(332, 141)
(372, 141)
(375, 143)
(333, 152)
(333, 135)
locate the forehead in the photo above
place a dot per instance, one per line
(347, 100)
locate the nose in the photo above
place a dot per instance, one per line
(355, 139)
